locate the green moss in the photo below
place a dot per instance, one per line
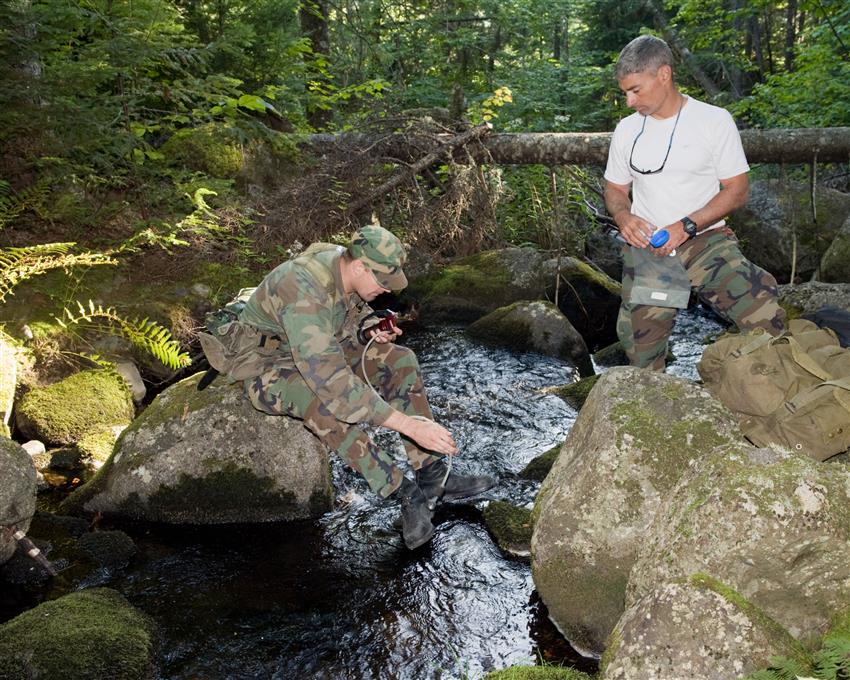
(230, 489)
(780, 637)
(537, 673)
(575, 268)
(90, 634)
(511, 525)
(575, 393)
(65, 411)
(612, 646)
(224, 281)
(97, 444)
(538, 468)
(205, 149)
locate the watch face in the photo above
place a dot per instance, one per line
(690, 227)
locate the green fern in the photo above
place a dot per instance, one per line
(143, 333)
(781, 668)
(20, 264)
(832, 660)
(13, 204)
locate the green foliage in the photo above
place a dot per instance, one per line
(208, 149)
(145, 334)
(14, 204)
(20, 264)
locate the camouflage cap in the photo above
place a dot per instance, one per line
(383, 253)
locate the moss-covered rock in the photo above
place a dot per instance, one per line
(113, 549)
(575, 393)
(835, 263)
(537, 673)
(770, 523)
(511, 525)
(633, 439)
(8, 381)
(62, 413)
(97, 444)
(209, 149)
(17, 493)
(88, 635)
(538, 468)
(700, 629)
(209, 457)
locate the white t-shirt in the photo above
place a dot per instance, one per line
(706, 148)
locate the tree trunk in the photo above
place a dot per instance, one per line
(790, 33)
(591, 148)
(314, 27)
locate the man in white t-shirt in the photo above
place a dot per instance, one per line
(685, 165)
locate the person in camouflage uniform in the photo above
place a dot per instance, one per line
(307, 312)
(684, 163)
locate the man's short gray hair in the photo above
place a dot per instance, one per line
(644, 53)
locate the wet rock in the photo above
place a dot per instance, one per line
(511, 526)
(811, 296)
(700, 630)
(835, 264)
(775, 211)
(17, 493)
(23, 570)
(87, 635)
(131, 375)
(536, 326)
(538, 468)
(771, 524)
(209, 457)
(34, 447)
(112, 549)
(575, 393)
(635, 436)
(62, 413)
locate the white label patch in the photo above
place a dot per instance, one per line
(655, 295)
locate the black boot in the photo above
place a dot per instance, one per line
(431, 480)
(416, 524)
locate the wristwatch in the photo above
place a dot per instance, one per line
(690, 226)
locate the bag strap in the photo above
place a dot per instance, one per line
(804, 398)
(805, 361)
(758, 341)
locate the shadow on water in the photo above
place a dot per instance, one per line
(341, 597)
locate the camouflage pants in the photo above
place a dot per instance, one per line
(393, 371)
(734, 287)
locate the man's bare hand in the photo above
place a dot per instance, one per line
(383, 337)
(635, 230)
(433, 437)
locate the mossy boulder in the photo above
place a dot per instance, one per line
(470, 287)
(17, 493)
(698, 629)
(88, 635)
(539, 467)
(835, 263)
(772, 524)
(775, 212)
(63, 412)
(635, 436)
(209, 149)
(534, 326)
(112, 549)
(575, 393)
(511, 526)
(208, 457)
(8, 381)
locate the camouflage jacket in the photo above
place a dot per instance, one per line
(302, 301)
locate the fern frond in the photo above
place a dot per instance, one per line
(145, 334)
(781, 668)
(832, 661)
(12, 205)
(20, 264)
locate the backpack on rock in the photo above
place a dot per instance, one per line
(792, 389)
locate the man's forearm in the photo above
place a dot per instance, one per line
(617, 202)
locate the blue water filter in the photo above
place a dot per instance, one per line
(659, 238)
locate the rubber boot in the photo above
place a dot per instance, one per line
(430, 480)
(416, 524)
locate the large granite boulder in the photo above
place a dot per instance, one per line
(88, 635)
(17, 493)
(773, 525)
(636, 434)
(808, 297)
(470, 287)
(208, 457)
(63, 412)
(835, 263)
(698, 629)
(775, 212)
(534, 326)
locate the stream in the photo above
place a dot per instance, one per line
(340, 597)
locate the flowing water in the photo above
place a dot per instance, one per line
(341, 597)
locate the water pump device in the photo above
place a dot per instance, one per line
(386, 321)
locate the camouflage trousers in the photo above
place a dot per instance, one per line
(393, 371)
(722, 277)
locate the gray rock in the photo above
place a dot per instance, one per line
(771, 524)
(536, 326)
(636, 434)
(696, 630)
(17, 493)
(113, 549)
(778, 209)
(835, 264)
(131, 375)
(207, 458)
(34, 447)
(807, 297)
